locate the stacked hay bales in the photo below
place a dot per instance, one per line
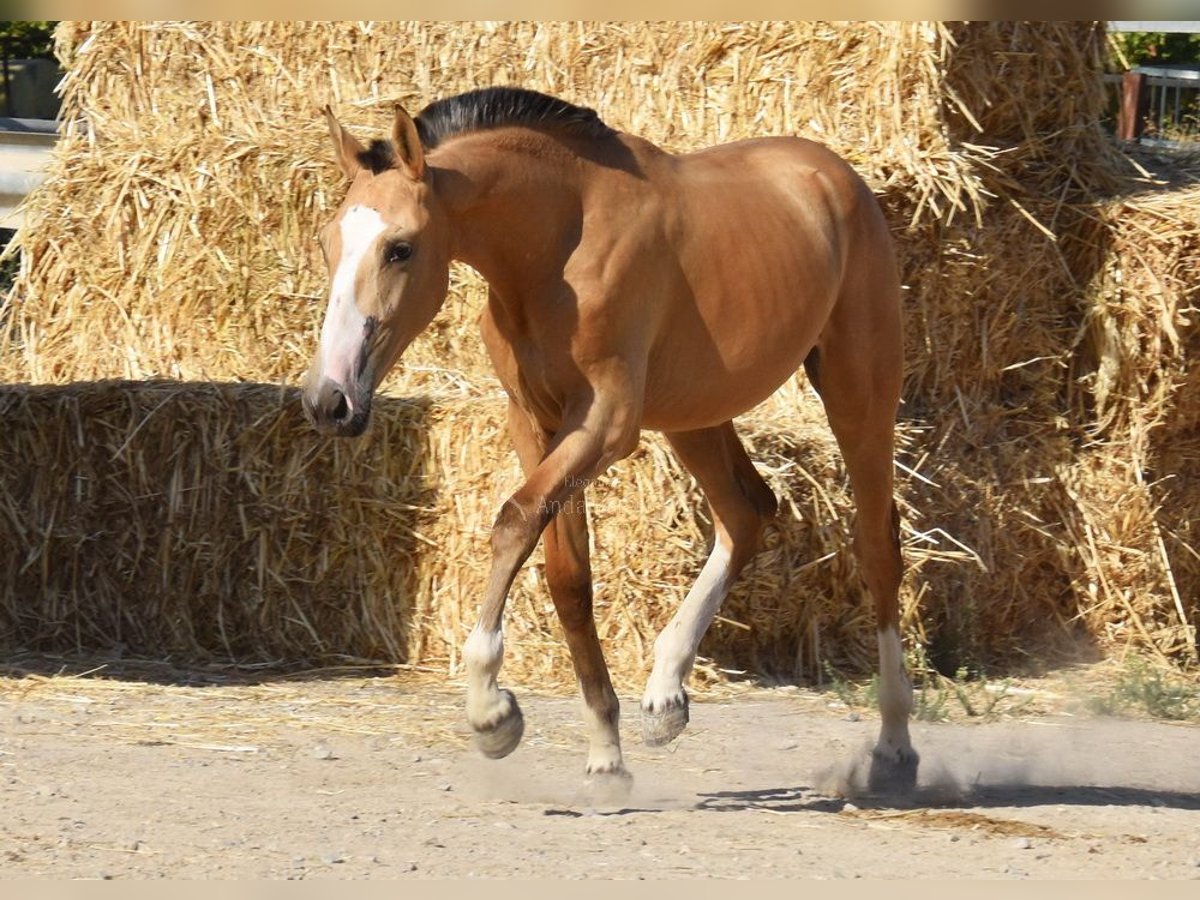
(1137, 484)
(174, 240)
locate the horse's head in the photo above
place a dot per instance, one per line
(387, 251)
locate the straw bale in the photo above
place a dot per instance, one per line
(244, 536)
(204, 519)
(207, 521)
(1142, 307)
(1142, 379)
(1046, 492)
(1029, 91)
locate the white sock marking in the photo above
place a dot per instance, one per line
(483, 653)
(675, 648)
(895, 691)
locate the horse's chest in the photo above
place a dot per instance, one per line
(533, 377)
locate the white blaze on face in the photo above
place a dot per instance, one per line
(344, 327)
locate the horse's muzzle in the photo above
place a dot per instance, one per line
(331, 411)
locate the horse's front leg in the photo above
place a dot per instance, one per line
(569, 577)
(573, 457)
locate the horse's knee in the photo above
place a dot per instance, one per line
(516, 530)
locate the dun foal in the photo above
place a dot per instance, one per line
(629, 288)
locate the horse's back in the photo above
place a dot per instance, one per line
(796, 211)
(778, 177)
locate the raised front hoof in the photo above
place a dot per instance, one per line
(661, 726)
(893, 772)
(500, 736)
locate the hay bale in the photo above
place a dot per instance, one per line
(208, 180)
(1003, 87)
(1142, 376)
(207, 521)
(204, 520)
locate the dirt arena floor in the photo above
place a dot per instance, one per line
(374, 777)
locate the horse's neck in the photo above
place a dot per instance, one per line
(513, 206)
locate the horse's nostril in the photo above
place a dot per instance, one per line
(339, 409)
(331, 405)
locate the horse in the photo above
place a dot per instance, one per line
(629, 288)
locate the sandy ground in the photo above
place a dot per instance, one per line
(355, 777)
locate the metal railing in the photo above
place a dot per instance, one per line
(1159, 104)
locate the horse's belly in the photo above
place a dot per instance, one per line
(723, 352)
(702, 390)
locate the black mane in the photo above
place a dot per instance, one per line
(496, 107)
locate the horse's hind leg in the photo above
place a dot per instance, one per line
(740, 502)
(859, 373)
(569, 577)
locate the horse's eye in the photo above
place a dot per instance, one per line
(399, 252)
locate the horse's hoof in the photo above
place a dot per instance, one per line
(500, 736)
(893, 772)
(661, 726)
(610, 785)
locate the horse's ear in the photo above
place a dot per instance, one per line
(345, 145)
(410, 155)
